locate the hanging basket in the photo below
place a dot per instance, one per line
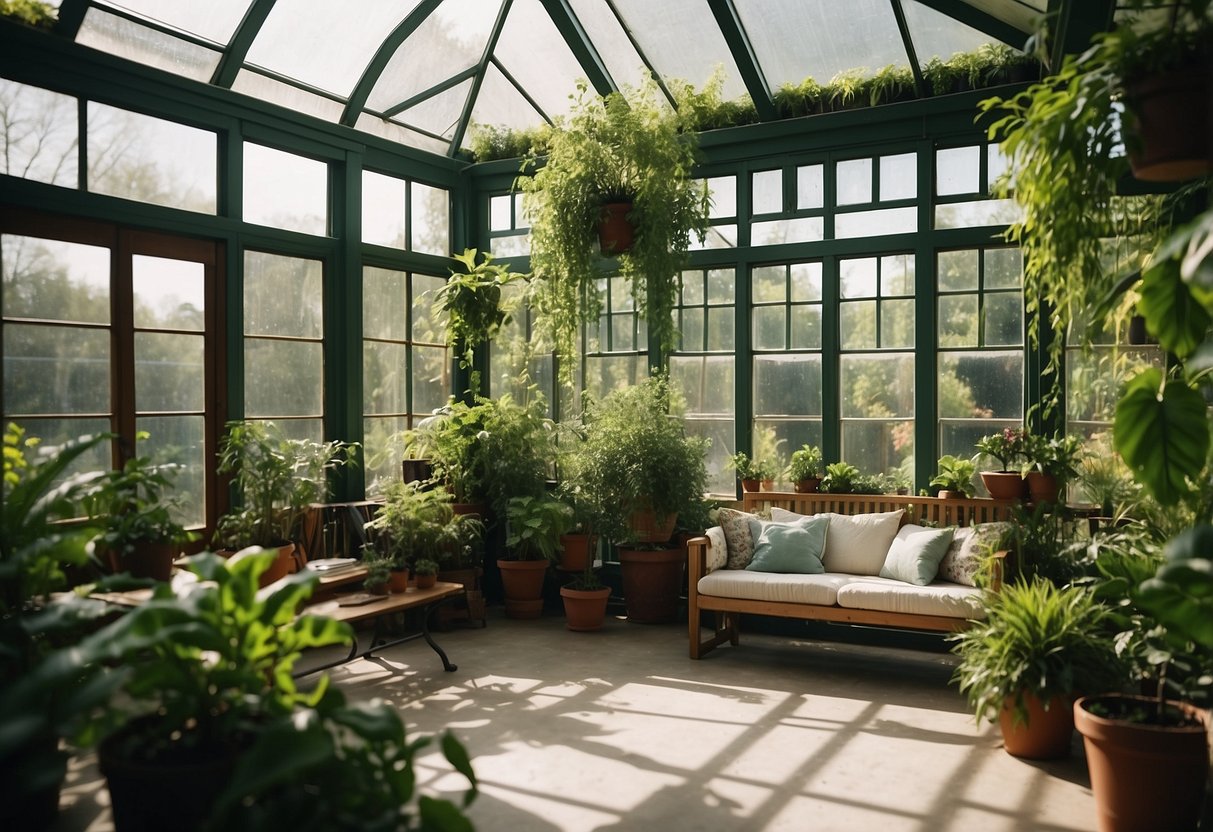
(1171, 138)
(615, 231)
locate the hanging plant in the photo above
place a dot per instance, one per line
(611, 150)
(471, 300)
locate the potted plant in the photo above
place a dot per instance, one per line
(1006, 446)
(138, 533)
(607, 153)
(752, 473)
(426, 571)
(1039, 647)
(378, 575)
(277, 479)
(579, 545)
(1049, 462)
(585, 601)
(839, 478)
(955, 477)
(535, 525)
(471, 301)
(414, 523)
(804, 469)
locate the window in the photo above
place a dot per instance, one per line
(405, 368)
(767, 199)
(41, 140)
(616, 349)
(285, 191)
(965, 177)
(508, 226)
(722, 216)
(876, 196)
(405, 215)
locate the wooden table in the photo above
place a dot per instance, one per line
(348, 607)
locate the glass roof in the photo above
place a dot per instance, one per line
(429, 73)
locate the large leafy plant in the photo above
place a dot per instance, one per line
(611, 149)
(415, 523)
(472, 301)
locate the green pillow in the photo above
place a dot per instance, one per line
(915, 554)
(793, 548)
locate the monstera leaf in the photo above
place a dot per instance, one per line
(1162, 431)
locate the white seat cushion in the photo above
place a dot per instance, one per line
(773, 586)
(887, 595)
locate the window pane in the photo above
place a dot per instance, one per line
(878, 446)
(283, 378)
(383, 209)
(957, 170)
(385, 300)
(786, 436)
(858, 277)
(778, 232)
(500, 218)
(40, 142)
(284, 190)
(769, 284)
(1004, 268)
(385, 377)
(769, 328)
(980, 385)
(958, 321)
(692, 329)
(897, 324)
(958, 270)
(606, 373)
(721, 285)
(857, 325)
(177, 441)
(430, 220)
(622, 334)
(57, 431)
(692, 288)
(875, 223)
(806, 327)
(431, 385)
(383, 451)
(877, 385)
(151, 160)
(271, 278)
(55, 281)
(806, 281)
(169, 372)
(56, 369)
(899, 176)
(721, 329)
(810, 186)
(721, 478)
(977, 213)
(897, 275)
(429, 323)
(787, 385)
(854, 181)
(767, 194)
(169, 294)
(706, 382)
(1004, 320)
(723, 194)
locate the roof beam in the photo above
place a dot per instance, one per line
(743, 55)
(920, 85)
(461, 128)
(370, 75)
(1073, 24)
(242, 41)
(521, 90)
(71, 15)
(567, 23)
(981, 21)
(441, 86)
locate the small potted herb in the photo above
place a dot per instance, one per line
(839, 478)
(426, 571)
(804, 469)
(755, 474)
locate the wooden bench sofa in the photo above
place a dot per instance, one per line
(729, 595)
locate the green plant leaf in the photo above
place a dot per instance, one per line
(457, 756)
(1172, 313)
(1163, 433)
(442, 816)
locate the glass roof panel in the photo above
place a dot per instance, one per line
(937, 35)
(392, 131)
(681, 40)
(532, 50)
(621, 58)
(439, 113)
(135, 42)
(795, 39)
(452, 38)
(304, 40)
(214, 20)
(499, 103)
(268, 89)
(1022, 14)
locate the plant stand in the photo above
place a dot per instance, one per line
(652, 580)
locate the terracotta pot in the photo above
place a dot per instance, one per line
(1004, 485)
(1043, 488)
(766, 485)
(652, 582)
(398, 580)
(523, 584)
(426, 581)
(480, 510)
(1047, 733)
(1144, 777)
(615, 231)
(577, 551)
(945, 494)
(647, 527)
(1170, 128)
(808, 486)
(748, 484)
(147, 560)
(585, 609)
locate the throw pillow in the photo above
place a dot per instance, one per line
(789, 547)
(739, 542)
(915, 554)
(718, 553)
(857, 544)
(968, 552)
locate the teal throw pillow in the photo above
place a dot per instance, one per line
(793, 548)
(915, 554)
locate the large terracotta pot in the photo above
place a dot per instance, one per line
(1145, 778)
(652, 582)
(1169, 125)
(1043, 488)
(1045, 735)
(147, 560)
(807, 486)
(585, 609)
(577, 551)
(615, 231)
(647, 527)
(523, 584)
(1004, 485)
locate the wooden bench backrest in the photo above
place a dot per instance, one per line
(922, 510)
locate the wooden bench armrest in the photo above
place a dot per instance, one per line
(998, 568)
(697, 561)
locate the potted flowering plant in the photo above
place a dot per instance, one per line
(1006, 446)
(1048, 463)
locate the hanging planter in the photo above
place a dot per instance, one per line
(1171, 139)
(615, 230)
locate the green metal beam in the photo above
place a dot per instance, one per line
(521, 89)
(242, 41)
(370, 75)
(442, 86)
(979, 20)
(1074, 24)
(743, 55)
(71, 15)
(920, 86)
(583, 49)
(478, 80)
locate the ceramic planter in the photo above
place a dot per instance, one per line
(652, 582)
(1046, 734)
(577, 551)
(523, 584)
(585, 609)
(1004, 485)
(1043, 488)
(807, 486)
(398, 581)
(751, 485)
(426, 581)
(1171, 123)
(1144, 777)
(148, 560)
(615, 231)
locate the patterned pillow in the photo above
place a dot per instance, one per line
(736, 525)
(969, 550)
(718, 554)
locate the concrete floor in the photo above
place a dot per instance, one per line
(619, 730)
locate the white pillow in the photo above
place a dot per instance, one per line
(718, 550)
(856, 544)
(915, 554)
